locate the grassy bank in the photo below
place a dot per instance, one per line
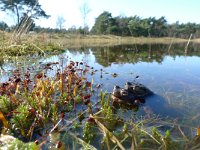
(72, 41)
(76, 41)
(43, 42)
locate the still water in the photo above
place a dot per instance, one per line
(171, 73)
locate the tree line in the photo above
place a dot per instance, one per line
(147, 27)
(133, 26)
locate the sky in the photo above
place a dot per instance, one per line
(174, 10)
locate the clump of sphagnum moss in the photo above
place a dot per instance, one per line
(22, 119)
(6, 104)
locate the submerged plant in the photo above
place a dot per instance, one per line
(88, 132)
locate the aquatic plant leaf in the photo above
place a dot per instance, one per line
(78, 99)
(55, 84)
(75, 90)
(17, 89)
(23, 133)
(70, 79)
(41, 85)
(50, 92)
(60, 84)
(198, 131)
(13, 98)
(92, 82)
(84, 86)
(167, 134)
(4, 121)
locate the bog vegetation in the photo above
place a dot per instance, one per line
(54, 111)
(67, 109)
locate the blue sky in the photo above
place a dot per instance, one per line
(174, 10)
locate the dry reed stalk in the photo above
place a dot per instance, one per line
(105, 131)
(150, 136)
(179, 127)
(172, 41)
(133, 145)
(186, 47)
(82, 142)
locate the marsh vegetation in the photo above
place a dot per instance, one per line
(56, 84)
(64, 101)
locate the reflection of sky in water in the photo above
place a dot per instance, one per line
(175, 81)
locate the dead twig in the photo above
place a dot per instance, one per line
(106, 131)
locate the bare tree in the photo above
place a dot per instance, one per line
(60, 21)
(85, 10)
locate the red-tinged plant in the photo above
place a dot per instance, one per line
(44, 98)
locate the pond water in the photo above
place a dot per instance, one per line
(171, 73)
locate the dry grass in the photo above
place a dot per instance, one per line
(196, 40)
(76, 41)
(41, 40)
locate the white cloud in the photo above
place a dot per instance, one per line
(69, 9)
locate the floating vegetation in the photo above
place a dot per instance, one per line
(62, 111)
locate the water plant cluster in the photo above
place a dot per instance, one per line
(57, 106)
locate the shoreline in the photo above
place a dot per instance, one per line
(46, 42)
(77, 41)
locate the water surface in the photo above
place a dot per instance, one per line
(172, 74)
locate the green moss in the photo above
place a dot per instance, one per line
(17, 144)
(88, 132)
(78, 99)
(22, 117)
(28, 49)
(5, 104)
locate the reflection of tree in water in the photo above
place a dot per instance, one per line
(141, 53)
(127, 54)
(138, 53)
